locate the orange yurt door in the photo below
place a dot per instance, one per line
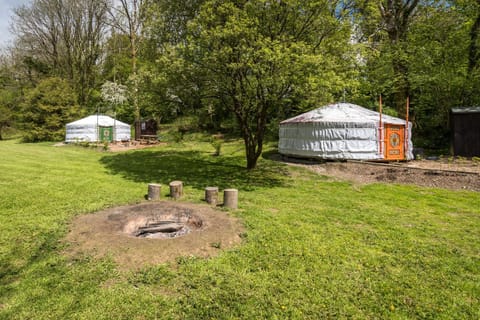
(394, 142)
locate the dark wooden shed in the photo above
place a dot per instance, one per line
(145, 128)
(466, 131)
(148, 127)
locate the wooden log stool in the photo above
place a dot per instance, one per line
(211, 195)
(230, 198)
(176, 189)
(154, 191)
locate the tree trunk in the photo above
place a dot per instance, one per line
(176, 189)
(133, 44)
(154, 191)
(474, 48)
(211, 195)
(402, 86)
(160, 228)
(253, 143)
(251, 160)
(251, 146)
(397, 16)
(253, 151)
(230, 198)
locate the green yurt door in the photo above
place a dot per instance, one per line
(106, 134)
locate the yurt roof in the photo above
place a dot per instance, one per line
(101, 120)
(342, 112)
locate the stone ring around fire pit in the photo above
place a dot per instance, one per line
(155, 232)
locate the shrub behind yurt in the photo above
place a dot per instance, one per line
(92, 129)
(345, 131)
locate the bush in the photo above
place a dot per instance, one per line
(217, 142)
(47, 109)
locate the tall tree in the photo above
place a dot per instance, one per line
(175, 86)
(259, 56)
(128, 18)
(438, 67)
(46, 110)
(396, 19)
(474, 47)
(472, 87)
(168, 20)
(384, 25)
(422, 51)
(66, 36)
(10, 94)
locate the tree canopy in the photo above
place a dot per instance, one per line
(260, 59)
(242, 66)
(47, 108)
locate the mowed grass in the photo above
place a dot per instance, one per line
(313, 248)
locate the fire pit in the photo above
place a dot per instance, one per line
(153, 232)
(163, 225)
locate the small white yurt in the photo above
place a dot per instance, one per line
(343, 131)
(97, 128)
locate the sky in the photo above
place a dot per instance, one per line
(6, 11)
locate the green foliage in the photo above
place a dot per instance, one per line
(438, 73)
(240, 67)
(117, 66)
(434, 54)
(259, 66)
(47, 109)
(60, 39)
(114, 93)
(217, 142)
(10, 96)
(7, 115)
(106, 146)
(313, 247)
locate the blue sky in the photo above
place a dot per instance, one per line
(6, 11)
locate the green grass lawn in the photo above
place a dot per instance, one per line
(313, 249)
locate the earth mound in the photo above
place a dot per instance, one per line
(155, 232)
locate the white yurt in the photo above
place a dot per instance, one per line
(96, 128)
(343, 131)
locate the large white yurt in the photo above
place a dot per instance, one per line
(96, 128)
(343, 131)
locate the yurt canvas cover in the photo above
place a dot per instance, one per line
(346, 131)
(90, 128)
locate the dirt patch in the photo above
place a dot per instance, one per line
(133, 145)
(464, 175)
(110, 233)
(118, 146)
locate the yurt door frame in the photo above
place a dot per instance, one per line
(106, 134)
(394, 142)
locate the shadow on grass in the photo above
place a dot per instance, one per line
(194, 168)
(18, 260)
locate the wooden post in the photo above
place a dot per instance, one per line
(154, 191)
(230, 198)
(406, 128)
(380, 128)
(176, 189)
(211, 195)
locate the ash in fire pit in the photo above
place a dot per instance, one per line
(162, 229)
(163, 226)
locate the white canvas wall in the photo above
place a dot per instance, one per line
(337, 131)
(86, 129)
(340, 141)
